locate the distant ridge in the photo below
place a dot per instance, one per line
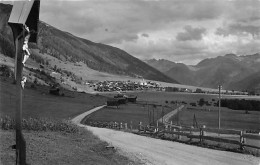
(232, 71)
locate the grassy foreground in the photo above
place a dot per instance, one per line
(50, 138)
(60, 147)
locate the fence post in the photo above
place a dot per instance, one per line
(140, 126)
(179, 136)
(171, 127)
(200, 134)
(157, 125)
(191, 132)
(241, 140)
(173, 131)
(131, 125)
(126, 126)
(203, 133)
(121, 126)
(166, 127)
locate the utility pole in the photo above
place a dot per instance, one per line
(153, 115)
(162, 114)
(148, 113)
(219, 104)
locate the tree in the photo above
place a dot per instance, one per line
(201, 102)
(55, 68)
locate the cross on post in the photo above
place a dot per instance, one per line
(24, 14)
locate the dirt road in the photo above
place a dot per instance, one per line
(160, 152)
(167, 117)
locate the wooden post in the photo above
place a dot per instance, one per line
(200, 134)
(191, 132)
(20, 142)
(131, 125)
(171, 127)
(178, 122)
(241, 140)
(153, 117)
(179, 136)
(140, 126)
(29, 10)
(174, 130)
(121, 126)
(162, 114)
(157, 125)
(203, 133)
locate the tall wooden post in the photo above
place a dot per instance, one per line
(153, 116)
(24, 12)
(162, 114)
(20, 142)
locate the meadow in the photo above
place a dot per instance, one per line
(38, 103)
(129, 113)
(230, 119)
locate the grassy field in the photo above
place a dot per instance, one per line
(128, 113)
(39, 103)
(45, 148)
(160, 97)
(230, 119)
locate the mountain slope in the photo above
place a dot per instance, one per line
(231, 71)
(179, 71)
(68, 47)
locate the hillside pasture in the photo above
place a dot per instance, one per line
(37, 102)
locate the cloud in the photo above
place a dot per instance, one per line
(155, 28)
(145, 35)
(191, 33)
(238, 29)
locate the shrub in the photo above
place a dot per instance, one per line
(39, 124)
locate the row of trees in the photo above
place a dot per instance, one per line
(237, 104)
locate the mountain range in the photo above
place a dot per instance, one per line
(67, 47)
(231, 71)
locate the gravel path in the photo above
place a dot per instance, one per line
(167, 117)
(160, 152)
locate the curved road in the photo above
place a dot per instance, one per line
(160, 152)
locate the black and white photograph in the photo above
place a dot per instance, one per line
(129, 82)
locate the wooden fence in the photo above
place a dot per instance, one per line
(236, 137)
(203, 133)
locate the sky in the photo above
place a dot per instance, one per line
(184, 31)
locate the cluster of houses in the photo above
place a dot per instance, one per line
(108, 86)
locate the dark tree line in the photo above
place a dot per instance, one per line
(237, 104)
